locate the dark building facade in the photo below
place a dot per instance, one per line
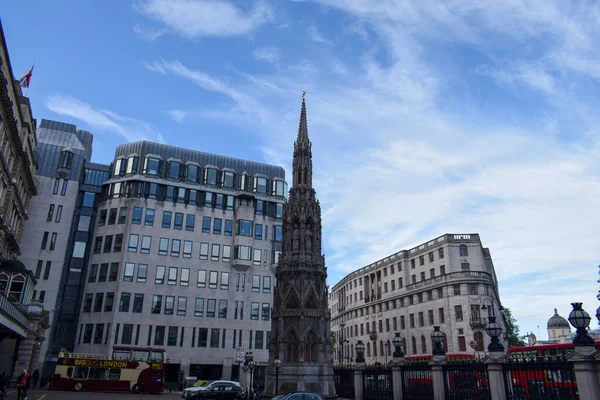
(301, 319)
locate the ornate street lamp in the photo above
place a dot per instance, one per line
(251, 367)
(398, 346)
(360, 352)
(580, 320)
(277, 363)
(598, 314)
(494, 330)
(437, 337)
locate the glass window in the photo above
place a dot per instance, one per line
(192, 173)
(149, 220)
(56, 185)
(142, 273)
(190, 220)
(242, 252)
(137, 215)
(181, 305)
(266, 312)
(175, 247)
(199, 308)
(208, 199)
(213, 279)
(122, 215)
(184, 278)
(146, 243)
(112, 216)
(214, 337)
(170, 194)
(258, 231)
(228, 227)
(256, 283)
(156, 304)
(84, 223)
(91, 275)
(169, 305)
(133, 243)
(266, 284)
(78, 247)
(160, 275)
(219, 201)
(254, 311)
(256, 257)
(132, 165)
(230, 202)
(192, 196)
(211, 306)
(224, 280)
(108, 304)
(464, 252)
(178, 221)
(217, 226)
(159, 335)
(214, 253)
(87, 303)
(204, 251)
(108, 244)
(279, 211)
(202, 337)
(50, 213)
(222, 308)
(277, 233)
(187, 248)
(166, 219)
(206, 224)
(163, 246)
(201, 278)
(128, 272)
(172, 276)
(243, 227)
(260, 185)
(174, 169)
(227, 179)
(152, 166)
(210, 176)
(124, 303)
(138, 303)
(226, 253)
(102, 218)
(103, 272)
(260, 208)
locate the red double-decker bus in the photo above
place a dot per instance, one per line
(128, 369)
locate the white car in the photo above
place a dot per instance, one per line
(191, 391)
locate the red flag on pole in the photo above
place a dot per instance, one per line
(26, 79)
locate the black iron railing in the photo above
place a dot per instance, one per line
(468, 380)
(540, 380)
(377, 383)
(344, 382)
(417, 382)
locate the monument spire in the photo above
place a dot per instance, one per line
(302, 164)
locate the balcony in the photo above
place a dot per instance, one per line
(453, 276)
(13, 316)
(477, 323)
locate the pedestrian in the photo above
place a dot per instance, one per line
(35, 378)
(22, 385)
(3, 383)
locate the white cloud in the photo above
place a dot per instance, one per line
(194, 19)
(147, 33)
(177, 115)
(270, 54)
(100, 119)
(316, 36)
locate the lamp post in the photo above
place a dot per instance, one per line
(437, 337)
(387, 347)
(277, 363)
(398, 346)
(360, 352)
(580, 320)
(341, 352)
(494, 330)
(251, 367)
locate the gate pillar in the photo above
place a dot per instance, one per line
(494, 361)
(585, 359)
(397, 379)
(358, 381)
(437, 376)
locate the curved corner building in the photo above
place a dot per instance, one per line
(444, 282)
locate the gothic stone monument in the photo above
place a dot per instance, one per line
(300, 323)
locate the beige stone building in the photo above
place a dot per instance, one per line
(446, 281)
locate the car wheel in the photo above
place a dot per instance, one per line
(79, 386)
(136, 388)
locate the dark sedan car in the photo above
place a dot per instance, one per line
(220, 391)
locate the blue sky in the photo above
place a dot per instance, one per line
(426, 117)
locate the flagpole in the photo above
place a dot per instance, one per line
(27, 88)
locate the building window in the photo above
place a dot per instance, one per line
(242, 252)
(108, 244)
(149, 220)
(463, 251)
(133, 243)
(163, 246)
(226, 253)
(159, 279)
(184, 277)
(98, 244)
(124, 303)
(102, 218)
(217, 226)
(458, 313)
(152, 166)
(175, 247)
(421, 260)
(462, 343)
(112, 216)
(456, 289)
(266, 284)
(91, 276)
(137, 215)
(118, 243)
(159, 335)
(169, 305)
(78, 248)
(108, 304)
(215, 252)
(228, 227)
(129, 271)
(258, 231)
(63, 191)
(465, 266)
(222, 308)
(211, 306)
(201, 278)
(187, 248)
(199, 307)
(142, 273)
(243, 227)
(181, 305)
(87, 303)
(172, 276)
(266, 311)
(138, 303)
(53, 244)
(254, 311)
(50, 213)
(224, 280)
(204, 251)
(84, 222)
(56, 186)
(146, 242)
(190, 220)
(156, 304)
(172, 336)
(213, 279)
(178, 221)
(166, 219)
(277, 233)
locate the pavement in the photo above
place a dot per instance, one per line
(60, 395)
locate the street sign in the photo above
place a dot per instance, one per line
(240, 353)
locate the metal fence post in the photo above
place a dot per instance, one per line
(397, 378)
(437, 376)
(494, 361)
(585, 361)
(358, 381)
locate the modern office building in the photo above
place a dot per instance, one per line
(17, 157)
(448, 281)
(183, 258)
(59, 231)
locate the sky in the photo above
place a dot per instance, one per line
(463, 116)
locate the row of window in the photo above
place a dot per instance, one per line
(56, 186)
(159, 334)
(210, 308)
(38, 269)
(190, 172)
(51, 213)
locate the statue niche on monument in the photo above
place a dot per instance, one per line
(296, 238)
(308, 240)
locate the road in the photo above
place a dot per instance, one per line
(58, 395)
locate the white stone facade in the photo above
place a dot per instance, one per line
(444, 282)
